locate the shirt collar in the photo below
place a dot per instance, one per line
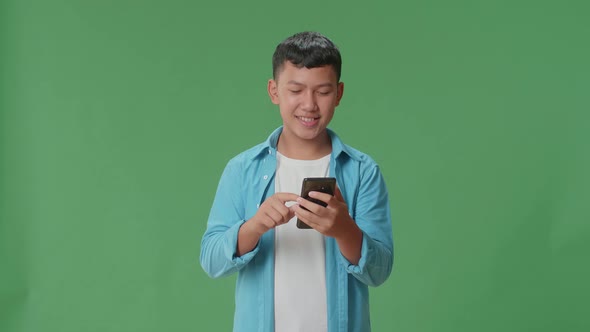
(338, 147)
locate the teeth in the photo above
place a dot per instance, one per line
(306, 119)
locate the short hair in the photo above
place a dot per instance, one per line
(307, 49)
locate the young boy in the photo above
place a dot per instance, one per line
(292, 279)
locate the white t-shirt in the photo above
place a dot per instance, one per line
(300, 257)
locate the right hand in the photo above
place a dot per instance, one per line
(272, 213)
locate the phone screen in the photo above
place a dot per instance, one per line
(325, 185)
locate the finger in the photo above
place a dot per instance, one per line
(285, 212)
(274, 216)
(309, 205)
(321, 196)
(283, 209)
(267, 221)
(286, 197)
(288, 216)
(306, 216)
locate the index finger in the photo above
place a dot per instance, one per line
(286, 197)
(320, 195)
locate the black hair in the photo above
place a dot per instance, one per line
(307, 49)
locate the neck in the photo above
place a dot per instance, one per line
(302, 149)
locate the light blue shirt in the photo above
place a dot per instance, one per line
(246, 182)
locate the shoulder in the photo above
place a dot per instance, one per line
(348, 153)
(257, 152)
(355, 164)
(367, 166)
(248, 159)
(356, 156)
(248, 155)
(360, 156)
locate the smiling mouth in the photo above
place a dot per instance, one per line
(308, 122)
(306, 119)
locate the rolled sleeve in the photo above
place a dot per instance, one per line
(373, 218)
(375, 263)
(218, 246)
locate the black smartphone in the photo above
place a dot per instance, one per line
(325, 185)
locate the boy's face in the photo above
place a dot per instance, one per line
(307, 99)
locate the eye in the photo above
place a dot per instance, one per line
(324, 93)
(295, 91)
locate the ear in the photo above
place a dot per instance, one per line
(339, 92)
(273, 91)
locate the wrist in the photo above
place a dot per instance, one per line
(350, 232)
(348, 226)
(253, 229)
(350, 242)
(247, 238)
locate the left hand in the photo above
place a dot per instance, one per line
(332, 220)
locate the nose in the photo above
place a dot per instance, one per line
(309, 102)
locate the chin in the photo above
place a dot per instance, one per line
(310, 134)
(304, 133)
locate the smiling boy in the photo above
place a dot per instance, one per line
(292, 279)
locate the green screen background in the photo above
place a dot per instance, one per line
(117, 118)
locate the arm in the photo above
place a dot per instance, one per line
(272, 213)
(229, 243)
(366, 243)
(334, 221)
(218, 245)
(373, 217)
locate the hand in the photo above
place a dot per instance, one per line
(332, 220)
(272, 213)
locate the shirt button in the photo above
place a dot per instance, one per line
(265, 177)
(269, 151)
(257, 205)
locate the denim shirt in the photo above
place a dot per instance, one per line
(246, 182)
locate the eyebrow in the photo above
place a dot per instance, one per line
(317, 86)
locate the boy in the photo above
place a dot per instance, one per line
(292, 279)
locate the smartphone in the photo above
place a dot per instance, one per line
(325, 185)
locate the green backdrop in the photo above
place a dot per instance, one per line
(117, 118)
